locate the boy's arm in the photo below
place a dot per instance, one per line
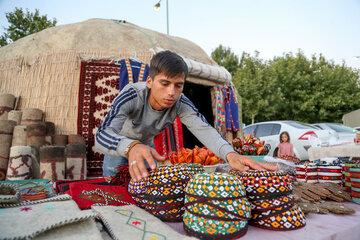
(213, 140)
(108, 139)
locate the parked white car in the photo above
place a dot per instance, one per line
(299, 135)
(344, 134)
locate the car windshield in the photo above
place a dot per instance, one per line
(301, 125)
(341, 128)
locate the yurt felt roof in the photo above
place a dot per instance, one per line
(115, 36)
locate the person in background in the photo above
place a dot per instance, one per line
(142, 110)
(285, 147)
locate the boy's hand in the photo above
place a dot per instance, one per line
(244, 163)
(137, 157)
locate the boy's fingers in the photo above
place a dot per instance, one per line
(269, 167)
(134, 172)
(142, 169)
(156, 155)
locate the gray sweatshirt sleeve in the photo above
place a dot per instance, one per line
(202, 130)
(108, 139)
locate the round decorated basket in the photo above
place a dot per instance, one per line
(216, 207)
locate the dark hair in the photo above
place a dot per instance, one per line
(169, 63)
(287, 134)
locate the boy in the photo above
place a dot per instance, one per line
(143, 110)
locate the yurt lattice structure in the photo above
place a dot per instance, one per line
(71, 73)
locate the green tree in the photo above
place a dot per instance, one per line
(293, 87)
(226, 58)
(23, 23)
(314, 90)
(257, 89)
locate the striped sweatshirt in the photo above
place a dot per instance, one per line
(131, 118)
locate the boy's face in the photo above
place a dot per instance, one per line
(165, 91)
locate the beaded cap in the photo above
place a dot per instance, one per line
(216, 207)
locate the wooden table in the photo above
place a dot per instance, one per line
(318, 227)
(348, 150)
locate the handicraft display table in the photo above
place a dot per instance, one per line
(349, 150)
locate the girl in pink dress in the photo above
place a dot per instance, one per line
(285, 147)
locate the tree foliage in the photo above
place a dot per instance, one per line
(293, 87)
(23, 23)
(226, 58)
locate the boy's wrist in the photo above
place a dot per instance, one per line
(129, 147)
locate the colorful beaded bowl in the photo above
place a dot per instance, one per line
(291, 219)
(259, 184)
(216, 207)
(355, 184)
(355, 193)
(356, 200)
(355, 174)
(162, 193)
(272, 205)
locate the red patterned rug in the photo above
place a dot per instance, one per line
(99, 85)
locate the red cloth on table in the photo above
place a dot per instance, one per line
(85, 195)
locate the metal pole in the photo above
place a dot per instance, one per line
(167, 16)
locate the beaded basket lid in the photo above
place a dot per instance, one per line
(206, 228)
(265, 183)
(173, 173)
(290, 219)
(215, 186)
(165, 183)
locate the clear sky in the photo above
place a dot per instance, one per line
(272, 27)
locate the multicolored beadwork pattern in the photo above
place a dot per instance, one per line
(266, 183)
(271, 203)
(216, 206)
(173, 173)
(205, 228)
(215, 186)
(288, 220)
(162, 193)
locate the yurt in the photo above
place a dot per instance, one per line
(72, 72)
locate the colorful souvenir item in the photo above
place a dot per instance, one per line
(31, 116)
(52, 162)
(19, 136)
(202, 156)
(216, 207)
(20, 163)
(6, 133)
(307, 173)
(250, 146)
(33, 189)
(132, 222)
(75, 155)
(7, 102)
(33, 218)
(50, 132)
(9, 193)
(162, 193)
(271, 201)
(36, 135)
(15, 115)
(85, 195)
